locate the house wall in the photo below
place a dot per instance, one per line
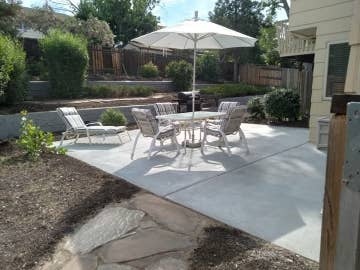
(332, 20)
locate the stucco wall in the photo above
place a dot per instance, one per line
(332, 19)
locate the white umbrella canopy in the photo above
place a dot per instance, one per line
(203, 34)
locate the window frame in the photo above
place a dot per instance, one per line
(324, 97)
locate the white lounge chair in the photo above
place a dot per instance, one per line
(75, 126)
(149, 127)
(227, 126)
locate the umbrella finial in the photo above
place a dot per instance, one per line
(196, 15)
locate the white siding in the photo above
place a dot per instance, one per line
(332, 20)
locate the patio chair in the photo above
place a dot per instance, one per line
(227, 126)
(75, 126)
(225, 106)
(149, 127)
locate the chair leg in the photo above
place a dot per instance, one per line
(226, 143)
(152, 145)
(203, 141)
(161, 145)
(77, 138)
(244, 140)
(62, 138)
(174, 139)
(134, 146)
(119, 136)
(88, 135)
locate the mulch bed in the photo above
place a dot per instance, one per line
(42, 201)
(226, 248)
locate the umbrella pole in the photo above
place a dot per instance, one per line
(193, 93)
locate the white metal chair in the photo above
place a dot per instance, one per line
(225, 106)
(149, 127)
(227, 126)
(76, 126)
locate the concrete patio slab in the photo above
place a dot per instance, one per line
(275, 192)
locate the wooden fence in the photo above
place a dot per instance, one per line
(126, 62)
(299, 80)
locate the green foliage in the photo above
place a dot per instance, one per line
(112, 117)
(268, 44)
(149, 70)
(207, 67)
(118, 91)
(8, 15)
(245, 16)
(234, 90)
(66, 59)
(127, 18)
(35, 141)
(13, 79)
(282, 104)
(256, 108)
(96, 32)
(181, 73)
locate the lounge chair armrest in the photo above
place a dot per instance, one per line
(93, 124)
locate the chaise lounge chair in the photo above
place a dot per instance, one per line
(75, 126)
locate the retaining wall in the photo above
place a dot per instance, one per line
(41, 89)
(50, 121)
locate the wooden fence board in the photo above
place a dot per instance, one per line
(299, 80)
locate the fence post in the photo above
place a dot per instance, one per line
(333, 186)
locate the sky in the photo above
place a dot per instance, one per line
(171, 11)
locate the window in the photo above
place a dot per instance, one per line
(337, 67)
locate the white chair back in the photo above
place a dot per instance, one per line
(145, 121)
(165, 108)
(226, 106)
(71, 118)
(231, 123)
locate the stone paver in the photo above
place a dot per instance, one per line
(114, 266)
(168, 264)
(143, 244)
(111, 223)
(173, 216)
(84, 262)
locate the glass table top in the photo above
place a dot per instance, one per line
(200, 115)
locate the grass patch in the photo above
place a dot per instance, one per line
(235, 90)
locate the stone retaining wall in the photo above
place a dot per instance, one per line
(50, 121)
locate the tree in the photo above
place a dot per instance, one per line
(126, 18)
(244, 16)
(96, 32)
(268, 44)
(275, 5)
(8, 13)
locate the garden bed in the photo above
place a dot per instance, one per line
(51, 105)
(43, 201)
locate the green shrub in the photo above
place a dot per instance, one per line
(181, 74)
(13, 79)
(234, 90)
(35, 141)
(37, 69)
(207, 67)
(117, 91)
(66, 59)
(149, 70)
(256, 108)
(112, 117)
(282, 104)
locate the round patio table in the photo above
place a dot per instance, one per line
(185, 118)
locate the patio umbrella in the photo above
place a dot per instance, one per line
(196, 34)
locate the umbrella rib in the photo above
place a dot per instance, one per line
(186, 43)
(251, 45)
(217, 42)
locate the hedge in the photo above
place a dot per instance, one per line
(117, 91)
(234, 90)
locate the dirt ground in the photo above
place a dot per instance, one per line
(43, 201)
